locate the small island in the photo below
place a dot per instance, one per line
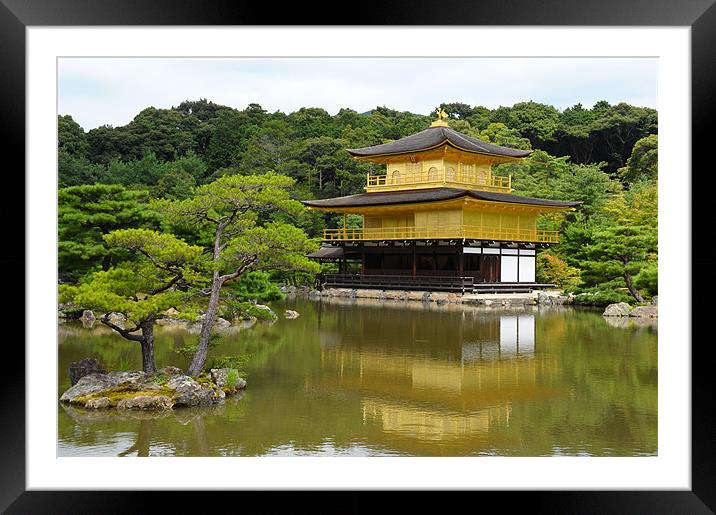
(164, 389)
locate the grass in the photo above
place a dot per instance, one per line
(160, 379)
(232, 379)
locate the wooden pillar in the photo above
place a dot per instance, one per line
(460, 262)
(415, 267)
(362, 260)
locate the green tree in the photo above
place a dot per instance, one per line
(618, 128)
(500, 134)
(71, 137)
(143, 289)
(624, 242)
(546, 176)
(643, 162)
(238, 210)
(313, 122)
(535, 121)
(552, 269)
(457, 110)
(620, 252)
(230, 136)
(76, 171)
(175, 184)
(255, 286)
(85, 214)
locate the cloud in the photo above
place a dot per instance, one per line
(97, 91)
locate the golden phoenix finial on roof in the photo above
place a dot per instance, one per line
(441, 114)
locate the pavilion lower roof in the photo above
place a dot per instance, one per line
(389, 198)
(434, 137)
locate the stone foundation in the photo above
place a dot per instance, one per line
(549, 297)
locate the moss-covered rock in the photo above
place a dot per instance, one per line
(162, 390)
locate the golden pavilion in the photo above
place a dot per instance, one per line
(438, 219)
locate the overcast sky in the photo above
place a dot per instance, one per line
(113, 90)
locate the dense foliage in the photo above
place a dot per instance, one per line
(125, 177)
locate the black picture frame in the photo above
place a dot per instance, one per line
(699, 15)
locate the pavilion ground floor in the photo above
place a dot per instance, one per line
(432, 265)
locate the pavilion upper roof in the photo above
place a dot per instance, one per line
(431, 195)
(435, 137)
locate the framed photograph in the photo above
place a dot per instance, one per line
(414, 253)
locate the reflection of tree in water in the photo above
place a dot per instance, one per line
(144, 436)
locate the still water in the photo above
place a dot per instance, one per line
(381, 378)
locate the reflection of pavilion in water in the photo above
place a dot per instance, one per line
(444, 377)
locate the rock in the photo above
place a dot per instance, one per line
(189, 392)
(116, 317)
(396, 295)
(267, 309)
(649, 311)
(171, 312)
(654, 300)
(620, 309)
(68, 310)
(220, 377)
(87, 318)
(241, 383)
(415, 295)
(171, 322)
(87, 366)
(219, 324)
(100, 403)
(288, 289)
(94, 383)
(368, 294)
(146, 402)
(489, 302)
(544, 299)
(440, 297)
(169, 371)
(291, 314)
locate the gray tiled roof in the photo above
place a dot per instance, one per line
(431, 195)
(435, 137)
(327, 252)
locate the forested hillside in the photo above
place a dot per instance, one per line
(605, 156)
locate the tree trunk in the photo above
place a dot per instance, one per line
(147, 343)
(199, 359)
(634, 292)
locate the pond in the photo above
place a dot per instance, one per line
(389, 378)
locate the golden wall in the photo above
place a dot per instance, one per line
(453, 217)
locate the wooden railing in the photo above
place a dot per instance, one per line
(437, 178)
(442, 232)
